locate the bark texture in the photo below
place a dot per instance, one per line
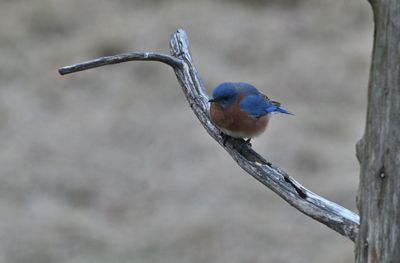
(379, 149)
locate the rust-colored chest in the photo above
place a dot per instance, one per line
(237, 123)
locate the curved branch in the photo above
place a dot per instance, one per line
(125, 57)
(328, 213)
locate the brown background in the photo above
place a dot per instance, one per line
(110, 165)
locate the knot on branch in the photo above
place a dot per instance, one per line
(360, 145)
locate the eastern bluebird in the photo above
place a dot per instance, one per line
(240, 110)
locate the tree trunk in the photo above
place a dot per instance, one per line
(379, 149)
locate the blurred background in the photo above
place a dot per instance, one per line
(110, 165)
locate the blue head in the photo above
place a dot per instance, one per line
(225, 94)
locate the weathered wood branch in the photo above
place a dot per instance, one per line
(331, 214)
(120, 58)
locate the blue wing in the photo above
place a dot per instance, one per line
(245, 88)
(258, 106)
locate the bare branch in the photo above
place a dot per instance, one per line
(331, 214)
(130, 56)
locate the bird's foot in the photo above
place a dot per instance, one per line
(225, 138)
(244, 143)
(239, 144)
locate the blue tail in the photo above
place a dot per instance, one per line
(275, 108)
(282, 110)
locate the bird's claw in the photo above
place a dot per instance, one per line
(244, 143)
(240, 142)
(224, 138)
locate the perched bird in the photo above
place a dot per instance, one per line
(240, 110)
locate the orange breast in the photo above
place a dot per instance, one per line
(237, 123)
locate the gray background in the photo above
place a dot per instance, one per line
(110, 165)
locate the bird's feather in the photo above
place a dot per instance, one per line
(257, 105)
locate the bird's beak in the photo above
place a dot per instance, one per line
(211, 100)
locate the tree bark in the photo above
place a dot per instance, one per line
(379, 150)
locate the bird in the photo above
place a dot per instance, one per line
(239, 110)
